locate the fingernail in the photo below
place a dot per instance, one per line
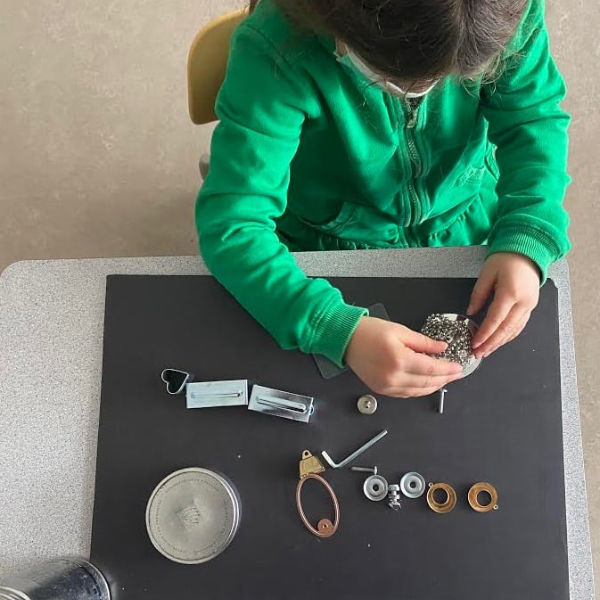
(470, 310)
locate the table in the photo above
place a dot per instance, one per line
(51, 326)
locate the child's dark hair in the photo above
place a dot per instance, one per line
(415, 40)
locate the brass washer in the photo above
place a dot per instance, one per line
(474, 492)
(441, 507)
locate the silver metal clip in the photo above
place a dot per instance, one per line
(204, 394)
(281, 404)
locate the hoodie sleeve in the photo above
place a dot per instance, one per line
(529, 129)
(262, 106)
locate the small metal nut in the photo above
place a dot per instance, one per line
(367, 404)
(375, 488)
(394, 497)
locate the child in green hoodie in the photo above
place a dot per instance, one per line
(356, 124)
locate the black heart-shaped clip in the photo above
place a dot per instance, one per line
(176, 380)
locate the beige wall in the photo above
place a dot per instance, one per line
(575, 35)
(98, 157)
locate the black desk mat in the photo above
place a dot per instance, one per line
(502, 424)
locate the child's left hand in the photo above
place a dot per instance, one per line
(515, 281)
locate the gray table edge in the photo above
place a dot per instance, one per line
(56, 308)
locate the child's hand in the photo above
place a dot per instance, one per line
(389, 358)
(515, 281)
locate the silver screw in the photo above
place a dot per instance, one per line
(365, 469)
(441, 401)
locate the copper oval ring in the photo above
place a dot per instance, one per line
(441, 507)
(330, 530)
(476, 489)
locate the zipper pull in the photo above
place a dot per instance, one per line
(413, 112)
(413, 115)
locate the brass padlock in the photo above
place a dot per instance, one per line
(309, 464)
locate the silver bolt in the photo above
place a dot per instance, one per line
(365, 469)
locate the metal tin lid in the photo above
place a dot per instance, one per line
(193, 515)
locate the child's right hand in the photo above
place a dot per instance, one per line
(392, 359)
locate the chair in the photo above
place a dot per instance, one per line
(207, 61)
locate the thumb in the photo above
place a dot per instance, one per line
(421, 343)
(482, 290)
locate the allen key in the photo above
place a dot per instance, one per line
(355, 454)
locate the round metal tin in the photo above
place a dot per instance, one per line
(193, 515)
(67, 578)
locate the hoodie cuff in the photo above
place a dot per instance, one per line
(531, 242)
(334, 329)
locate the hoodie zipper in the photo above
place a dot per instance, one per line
(412, 115)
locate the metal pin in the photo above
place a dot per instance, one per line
(441, 401)
(283, 404)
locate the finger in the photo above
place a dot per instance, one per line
(502, 333)
(423, 382)
(520, 327)
(421, 343)
(419, 392)
(427, 366)
(482, 291)
(407, 385)
(496, 314)
(509, 336)
(513, 332)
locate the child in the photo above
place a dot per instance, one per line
(354, 124)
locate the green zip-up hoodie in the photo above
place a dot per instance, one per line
(308, 155)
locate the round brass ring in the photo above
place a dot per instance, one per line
(441, 507)
(325, 527)
(474, 492)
